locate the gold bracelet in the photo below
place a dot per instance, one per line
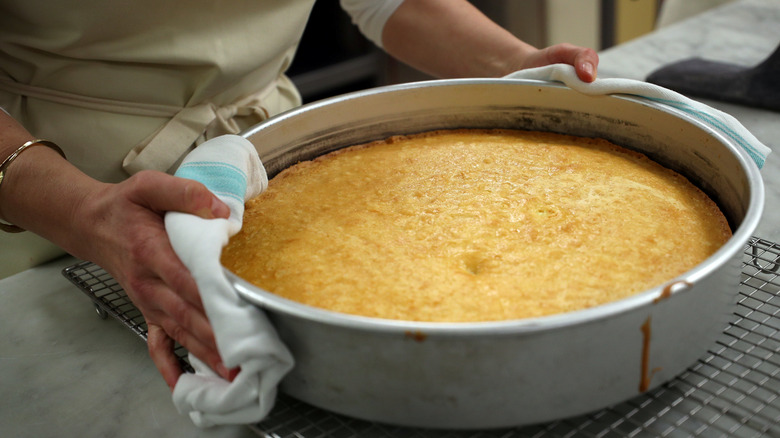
(8, 228)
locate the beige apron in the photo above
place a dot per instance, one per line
(121, 91)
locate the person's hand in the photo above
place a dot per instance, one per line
(584, 60)
(465, 43)
(128, 239)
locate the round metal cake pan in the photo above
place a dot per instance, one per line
(517, 372)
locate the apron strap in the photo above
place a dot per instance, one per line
(93, 103)
(186, 128)
(192, 126)
(164, 148)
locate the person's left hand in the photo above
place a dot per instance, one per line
(584, 60)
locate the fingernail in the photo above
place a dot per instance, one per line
(588, 68)
(222, 371)
(205, 213)
(227, 374)
(218, 208)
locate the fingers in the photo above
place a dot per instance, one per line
(176, 319)
(585, 63)
(180, 194)
(154, 260)
(165, 292)
(189, 326)
(141, 258)
(584, 60)
(171, 302)
(161, 351)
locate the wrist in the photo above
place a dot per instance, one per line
(515, 59)
(8, 161)
(39, 193)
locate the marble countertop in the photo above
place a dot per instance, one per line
(66, 372)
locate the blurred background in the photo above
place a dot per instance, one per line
(334, 58)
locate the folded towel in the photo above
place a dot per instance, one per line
(230, 168)
(718, 120)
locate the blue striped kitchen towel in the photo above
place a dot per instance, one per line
(718, 120)
(230, 168)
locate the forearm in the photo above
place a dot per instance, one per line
(451, 38)
(121, 228)
(41, 191)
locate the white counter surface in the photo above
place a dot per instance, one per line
(68, 373)
(65, 372)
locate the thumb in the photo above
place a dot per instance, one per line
(203, 203)
(162, 192)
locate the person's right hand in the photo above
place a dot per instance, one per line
(123, 232)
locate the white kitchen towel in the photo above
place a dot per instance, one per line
(718, 120)
(230, 168)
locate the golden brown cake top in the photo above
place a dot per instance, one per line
(473, 225)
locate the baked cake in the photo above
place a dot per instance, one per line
(473, 225)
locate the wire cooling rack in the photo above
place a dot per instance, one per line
(733, 391)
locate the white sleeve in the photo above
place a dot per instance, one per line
(370, 16)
